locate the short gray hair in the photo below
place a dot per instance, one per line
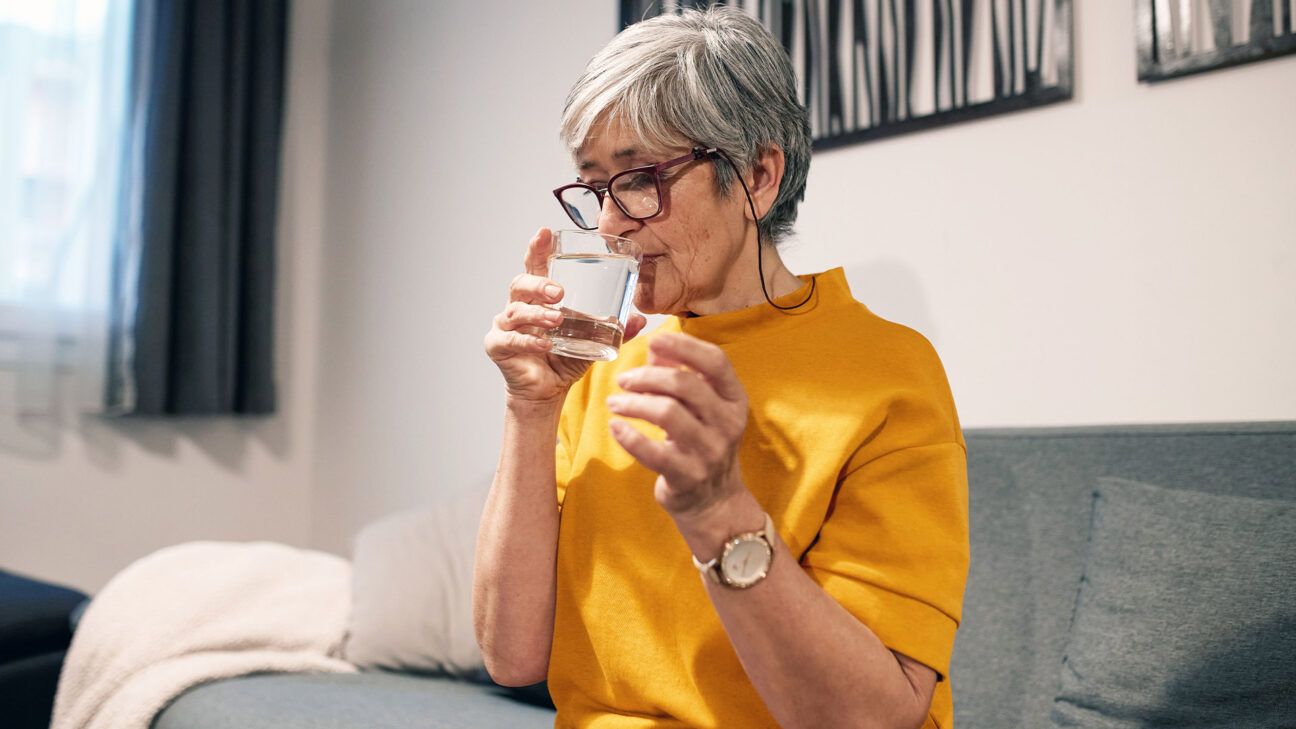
(713, 77)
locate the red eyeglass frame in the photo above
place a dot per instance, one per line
(697, 153)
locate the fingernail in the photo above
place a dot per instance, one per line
(615, 402)
(624, 379)
(552, 291)
(617, 427)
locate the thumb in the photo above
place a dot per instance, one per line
(536, 262)
(634, 325)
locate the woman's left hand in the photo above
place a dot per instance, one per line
(688, 389)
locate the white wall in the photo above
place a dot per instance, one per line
(87, 496)
(1125, 257)
(1129, 256)
(443, 150)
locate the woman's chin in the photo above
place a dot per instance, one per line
(652, 299)
(643, 300)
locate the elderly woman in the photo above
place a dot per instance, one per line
(761, 506)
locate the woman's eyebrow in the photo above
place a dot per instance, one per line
(621, 154)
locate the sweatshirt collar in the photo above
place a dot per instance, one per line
(830, 291)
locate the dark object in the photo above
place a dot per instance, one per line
(34, 635)
(879, 67)
(199, 337)
(537, 694)
(1175, 41)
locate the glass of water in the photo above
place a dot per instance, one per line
(598, 273)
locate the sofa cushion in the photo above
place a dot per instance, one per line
(411, 607)
(369, 700)
(1186, 613)
(1031, 493)
(411, 604)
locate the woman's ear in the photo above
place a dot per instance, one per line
(766, 178)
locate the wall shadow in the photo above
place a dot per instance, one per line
(892, 289)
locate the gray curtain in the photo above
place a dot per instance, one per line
(194, 276)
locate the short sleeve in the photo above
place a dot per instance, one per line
(893, 549)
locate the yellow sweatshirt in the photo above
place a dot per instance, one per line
(854, 448)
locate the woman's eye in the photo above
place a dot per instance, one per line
(638, 181)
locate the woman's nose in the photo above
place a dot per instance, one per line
(614, 222)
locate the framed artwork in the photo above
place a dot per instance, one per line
(1182, 37)
(870, 69)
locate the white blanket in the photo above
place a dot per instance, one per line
(195, 613)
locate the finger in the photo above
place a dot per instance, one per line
(519, 316)
(659, 456)
(670, 415)
(720, 413)
(634, 325)
(536, 262)
(534, 289)
(501, 345)
(684, 385)
(703, 357)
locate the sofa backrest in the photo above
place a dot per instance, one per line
(1031, 493)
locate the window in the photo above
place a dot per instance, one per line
(64, 71)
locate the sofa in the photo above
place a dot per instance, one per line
(35, 629)
(1120, 576)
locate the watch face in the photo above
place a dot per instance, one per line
(747, 562)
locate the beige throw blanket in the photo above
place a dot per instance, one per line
(195, 613)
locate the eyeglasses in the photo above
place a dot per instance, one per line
(636, 191)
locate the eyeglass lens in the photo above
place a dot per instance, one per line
(582, 205)
(636, 192)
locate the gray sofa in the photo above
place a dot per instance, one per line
(1032, 508)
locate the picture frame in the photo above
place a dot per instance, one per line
(872, 69)
(1184, 37)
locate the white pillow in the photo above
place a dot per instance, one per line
(412, 589)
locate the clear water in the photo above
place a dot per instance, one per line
(598, 290)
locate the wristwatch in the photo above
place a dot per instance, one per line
(746, 558)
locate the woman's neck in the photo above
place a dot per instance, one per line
(742, 288)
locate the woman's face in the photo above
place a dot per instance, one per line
(690, 248)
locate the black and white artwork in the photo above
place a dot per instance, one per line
(1182, 37)
(869, 69)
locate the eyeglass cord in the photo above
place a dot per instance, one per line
(760, 249)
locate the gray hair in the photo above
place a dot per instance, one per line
(715, 77)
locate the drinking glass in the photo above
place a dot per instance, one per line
(598, 274)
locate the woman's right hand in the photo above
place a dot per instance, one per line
(516, 342)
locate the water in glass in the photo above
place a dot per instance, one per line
(597, 292)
